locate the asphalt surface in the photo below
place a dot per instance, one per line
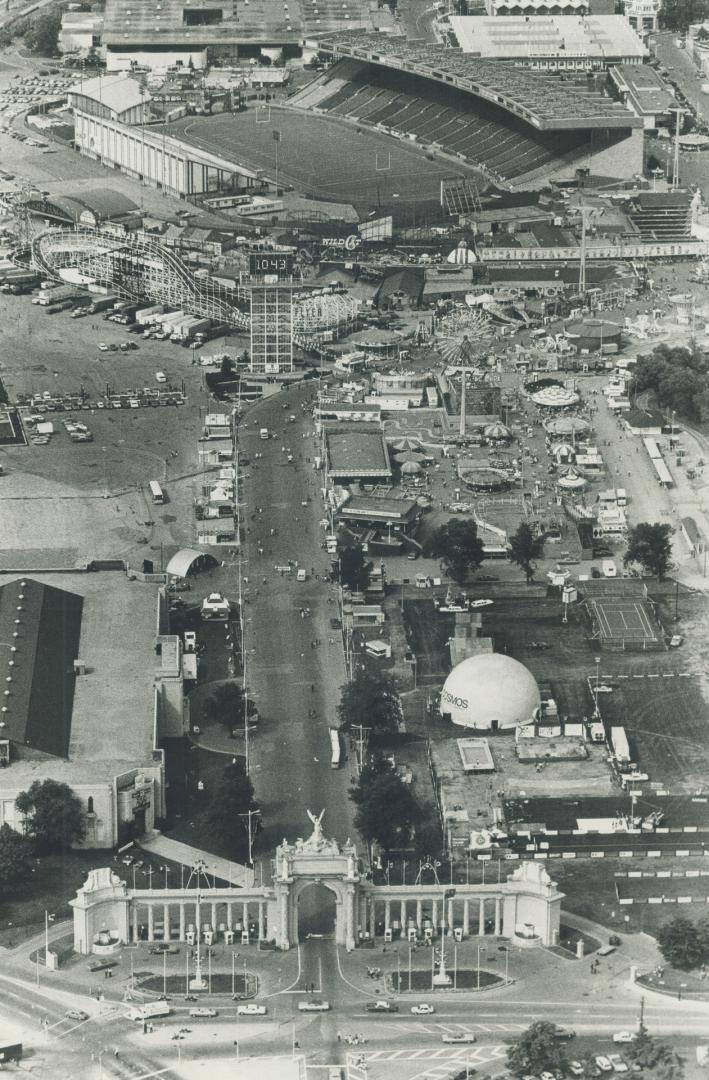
(291, 756)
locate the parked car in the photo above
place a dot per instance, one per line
(251, 1009)
(76, 1014)
(624, 1037)
(314, 1006)
(603, 1063)
(203, 1012)
(576, 1068)
(422, 1009)
(618, 1064)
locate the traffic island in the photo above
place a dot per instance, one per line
(241, 986)
(463, 979)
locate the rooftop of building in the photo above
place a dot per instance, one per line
(116, 92)
(648, 93)
(110, 625)
(560, 36)
(357, 451)
(379, 506)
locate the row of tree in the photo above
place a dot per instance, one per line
(39, 33)
(460, 548)
(677, 376)
(539, 1050)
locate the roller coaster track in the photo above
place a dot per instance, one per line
(136, 269)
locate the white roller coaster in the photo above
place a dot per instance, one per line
(135, 268)
(138, 268)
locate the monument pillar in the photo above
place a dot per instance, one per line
(466, 918)
(481, 918)
(182, 922)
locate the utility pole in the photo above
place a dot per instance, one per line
(361, 735)
(249, 815)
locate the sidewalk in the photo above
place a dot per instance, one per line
(225, 869)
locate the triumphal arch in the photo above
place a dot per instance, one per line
(525, 907)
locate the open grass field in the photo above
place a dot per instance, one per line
(666, 723)
(322, 156)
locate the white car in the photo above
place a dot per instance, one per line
(423, 1009)
(547, 1076)
(481, 603)
(203, 1012)
(190, 641)
(160, 376)
(624, 1037)
(576, 1068)
(618, 1064)
(102, 346)
(252, 1009)
(460, 1037)
(603, 1064)
(314, 1006)
(604, 689)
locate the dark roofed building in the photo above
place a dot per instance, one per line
(47, 622)
(88, 206)
(356, 452)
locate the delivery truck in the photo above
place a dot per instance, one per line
(619, 742)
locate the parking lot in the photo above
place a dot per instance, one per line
(90, 498)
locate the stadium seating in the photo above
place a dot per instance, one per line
(440, 116)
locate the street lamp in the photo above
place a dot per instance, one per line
(597, 661)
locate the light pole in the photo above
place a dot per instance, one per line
(249, 814)
(597, 661)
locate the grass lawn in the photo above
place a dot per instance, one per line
(55, 881)
(589, 888)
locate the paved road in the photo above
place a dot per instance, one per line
(683, 71)
(292, 753)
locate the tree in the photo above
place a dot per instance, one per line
(226, 705)
(230, 802)
(54, 815)
(684, 944)
(651, 547)
(648, 1053)
(371, 699)
(228, 367)
(42, 35)
(537, 1051)
(386, 808)
(15, 860)
(354, 570)
(525, 547)
(457, 543)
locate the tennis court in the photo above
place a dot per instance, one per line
(625, 623)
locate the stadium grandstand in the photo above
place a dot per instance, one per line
(159, 32)
(518, 127)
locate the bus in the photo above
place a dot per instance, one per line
(335, 757)
(157, 492)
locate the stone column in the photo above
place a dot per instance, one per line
(151, 929)
(481, 918)
(498, 920)
(434, 917)
(245, 916)
(136, 921)
(466, 918)
(261, 921)
(229, 919)
(182, 921)
(214, 916)
(166, 922)
(419, 916)
(402, 916)
(387, 915)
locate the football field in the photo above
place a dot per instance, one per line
(323, 156)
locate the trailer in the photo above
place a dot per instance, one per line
(10, 1050)
(619, 742)
(102, 303)
(146, 316)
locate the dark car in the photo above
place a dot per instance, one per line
(103, 965)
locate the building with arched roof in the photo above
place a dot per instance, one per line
(187, 561)
(90, 207)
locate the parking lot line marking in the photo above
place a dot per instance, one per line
(653, 676)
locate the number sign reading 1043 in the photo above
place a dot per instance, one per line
(263, 263)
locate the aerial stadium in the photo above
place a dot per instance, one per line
(352, 132)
